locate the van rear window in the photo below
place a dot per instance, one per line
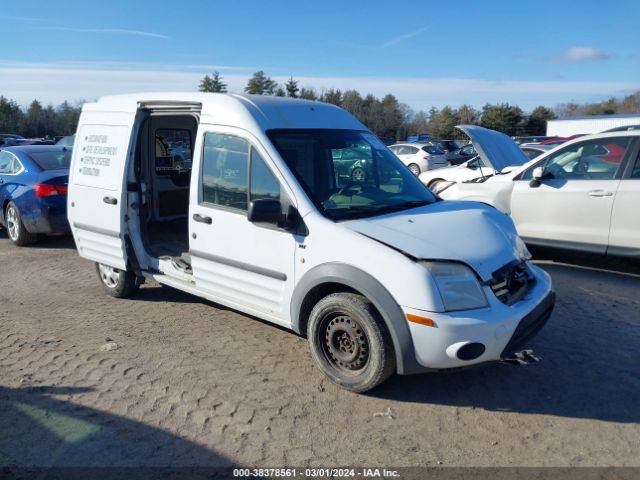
(52, 160)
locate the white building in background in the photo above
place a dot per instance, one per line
(566, 127)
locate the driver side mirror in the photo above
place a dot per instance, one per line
(537, 176)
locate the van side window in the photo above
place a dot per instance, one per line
(263, 183)
(224, 170)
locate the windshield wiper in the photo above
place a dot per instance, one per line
(380, 208)
(405, 205)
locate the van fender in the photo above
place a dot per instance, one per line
(376, 293)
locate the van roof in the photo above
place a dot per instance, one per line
(234, 109)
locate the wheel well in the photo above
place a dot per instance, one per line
(4, 208)
(314, 295)
(434, 181)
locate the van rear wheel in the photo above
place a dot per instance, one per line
(350, 343)
(117, 283)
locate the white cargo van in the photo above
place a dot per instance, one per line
(252, 202)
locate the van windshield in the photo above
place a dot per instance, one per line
(349, 173)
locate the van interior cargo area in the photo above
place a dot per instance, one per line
(162, 173)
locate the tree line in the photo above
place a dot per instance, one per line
(386, 116)
(37, 121)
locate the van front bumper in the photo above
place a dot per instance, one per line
(472, 337)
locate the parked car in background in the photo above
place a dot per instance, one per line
(33, 191)
(350, 164)
(625, 128)
(419, 157)
(9, 139)
(496, 153)
(464, 153)
(34, 141)
(530, 139)
(423, 137)
(66, 141)
(582, 195)
(387, 141)
(533, 150)
(447, 146)
(555, 141)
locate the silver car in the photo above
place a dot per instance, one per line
(419, 157)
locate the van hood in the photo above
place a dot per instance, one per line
(469, 232)
(495, 148)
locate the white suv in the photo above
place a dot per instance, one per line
(582, 195)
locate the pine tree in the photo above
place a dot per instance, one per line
(308, 94)
(260, 84)
(292, 88)
(213, 84)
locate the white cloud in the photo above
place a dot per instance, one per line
(580, 55)
(110, 31)
(54, 83)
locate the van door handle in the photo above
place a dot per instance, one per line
(110, 200)
(599, 193)
(199, 218)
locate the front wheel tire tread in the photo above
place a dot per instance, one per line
(381, 363)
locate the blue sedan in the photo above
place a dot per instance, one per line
(33, 191)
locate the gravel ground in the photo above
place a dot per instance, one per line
(166, 378)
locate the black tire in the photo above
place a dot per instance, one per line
(16, 231)
(117, 283)
(350, 343)
(415, 169)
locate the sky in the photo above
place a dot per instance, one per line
(426, 53)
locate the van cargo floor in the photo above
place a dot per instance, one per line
(169, 238)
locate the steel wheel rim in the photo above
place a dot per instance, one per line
(12, 223)
(109, 276)
(414, 169)
(344, 343)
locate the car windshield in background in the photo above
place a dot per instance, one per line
(52, 160)
(348, 173)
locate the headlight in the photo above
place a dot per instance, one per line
(458, 286)
(521, 250)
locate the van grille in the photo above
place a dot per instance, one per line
(511, 282)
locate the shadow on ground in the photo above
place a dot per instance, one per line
(589, 366)
(41, 430)
(579, 259)
(45, 241)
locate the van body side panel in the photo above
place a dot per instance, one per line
(96, 186)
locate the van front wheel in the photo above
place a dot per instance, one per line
(350, 342)
(117, 283)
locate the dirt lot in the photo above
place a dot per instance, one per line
(191, 383)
